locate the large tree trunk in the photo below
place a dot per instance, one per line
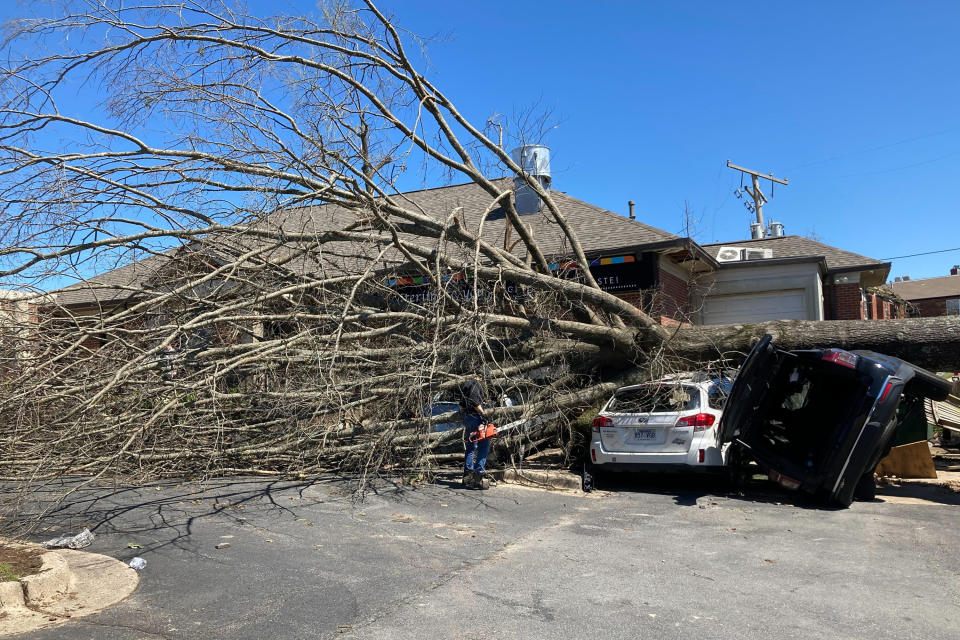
(933, 343)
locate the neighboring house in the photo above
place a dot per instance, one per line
(17, 307)
(928, 297)
(786, 277)
(18, 314)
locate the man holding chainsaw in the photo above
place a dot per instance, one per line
(471, 404)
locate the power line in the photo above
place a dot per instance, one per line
(901, 168)
(840, 156)
(925, 253)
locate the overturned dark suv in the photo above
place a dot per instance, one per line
(819, 420)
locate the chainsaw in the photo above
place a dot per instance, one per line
(489, 430)
(483, 432)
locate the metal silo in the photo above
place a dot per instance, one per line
(535, 160)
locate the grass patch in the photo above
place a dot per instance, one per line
(7, 573)
(18, 562)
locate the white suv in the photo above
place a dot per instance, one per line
(669, 424)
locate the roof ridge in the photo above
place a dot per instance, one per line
(949, 275)
(448, 186)
(389, 195)
(791, 235)
(617, 215)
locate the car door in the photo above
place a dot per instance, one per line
(749, 388)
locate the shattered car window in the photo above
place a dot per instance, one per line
(717, 393)
(655, 398)
(797, 393)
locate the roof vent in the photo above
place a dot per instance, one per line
(535, 160)
(776, 229)
(956, 270)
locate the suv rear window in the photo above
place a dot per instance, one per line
(655, 398)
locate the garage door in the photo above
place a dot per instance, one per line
(755, 307)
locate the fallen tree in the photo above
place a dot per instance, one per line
(204, 252)
(933, 343)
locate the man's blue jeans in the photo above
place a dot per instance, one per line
(476, 457)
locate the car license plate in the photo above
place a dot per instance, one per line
(644, 434)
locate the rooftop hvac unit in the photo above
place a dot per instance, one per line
(736, 254)
(729, 254)
(757, 254)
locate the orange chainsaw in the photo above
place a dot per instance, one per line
(484, 432)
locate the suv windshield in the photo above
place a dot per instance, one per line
(655, 398)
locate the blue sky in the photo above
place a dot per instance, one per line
(855, 102)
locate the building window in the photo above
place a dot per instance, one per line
(953, 307)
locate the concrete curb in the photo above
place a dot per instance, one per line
(70, 584)
(549, 479)
(54, 580)
(11, 596)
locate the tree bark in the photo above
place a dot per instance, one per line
(932, 343)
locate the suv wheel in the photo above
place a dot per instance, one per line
(738, 473)
(588, 481)
(866, 488)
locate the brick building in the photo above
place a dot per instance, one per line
(929, 297)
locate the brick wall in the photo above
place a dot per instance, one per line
(931, 307)
(849, 302)
(669, 304)
(673, 299)
(636, 298)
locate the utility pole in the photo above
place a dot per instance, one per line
(757, 229)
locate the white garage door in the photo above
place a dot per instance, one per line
(755, 307)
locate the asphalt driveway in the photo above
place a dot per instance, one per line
(307, 560)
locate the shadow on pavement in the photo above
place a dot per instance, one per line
(918, 492)
(168, 509)
(689, 489)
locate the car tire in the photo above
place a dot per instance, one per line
(588, 480)
(866, 489)
(737, 472)
(843, 499)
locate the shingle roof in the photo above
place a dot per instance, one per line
(798, 246)
(942, 287)
(599, 230)
(112, 286)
